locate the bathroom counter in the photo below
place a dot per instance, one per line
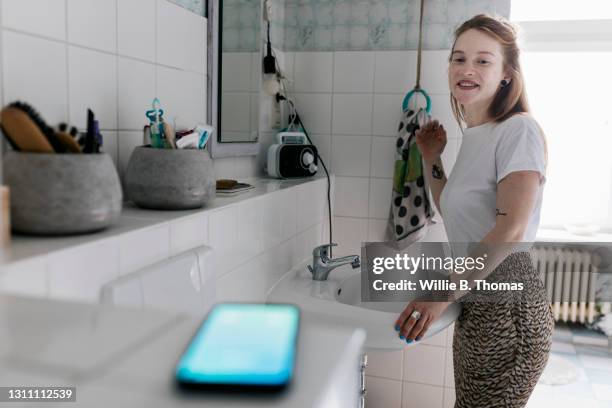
(126, 357)
(134, 219)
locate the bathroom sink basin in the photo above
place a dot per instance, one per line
(337, 302)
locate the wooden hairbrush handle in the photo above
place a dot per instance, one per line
(23, 132)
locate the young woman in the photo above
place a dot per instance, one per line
(492, 196)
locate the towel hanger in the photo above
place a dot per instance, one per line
(417, 88)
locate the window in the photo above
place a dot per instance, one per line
(567, 65)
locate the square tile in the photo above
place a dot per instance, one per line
(424, 364)
(92, 83)
(110, 145)
(315, 111)
(176, 25)
(386, 364)
(313, 71)
(143, 247)
(26, 278)
(422, 396)
(383, 392)
(42, 17)
(377, 229)
(182, 95)
(188, 232)
(353, 71)
(435, 78)
(136, 92)
(78, 274)
(134, 39)
(351, 155)
(380, 198)
(387, 114)
(383, 157)
(35, 71)
(352, 114)
(395, 71)
(351, 196)
(349, 233)
(449, 397)
(93, 24)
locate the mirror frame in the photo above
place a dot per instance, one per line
(214, 38)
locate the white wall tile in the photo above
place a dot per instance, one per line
(376, 230)
(225, 168)
(42, 17)
(351, 155)
(380, 198)
(26, 278)
(311, 205)
(135, 30)
(353, 71)
(249, 229)
(272, 208)
(92, 83)
(143, 247)
(323, 144)
(188, 232)
(383, 157)
(382, 392)
(93, 23)
(349, 233)
(222, 230)
(351, 196)
(110, 145)
(315, 111)
(434, 71)
(421, 396)
(387, 364)
(182, 95)
(246, 283)
(136, 92)
(306, 241)
(313, 71)
(449, 374)
(127, 141)
(79, 274)
(424, 364)
(439, 339)
(176, 25)
(352, 114)
(387, 114)
(288, 214)
(395, 71)
(449, 397)
(35, 71)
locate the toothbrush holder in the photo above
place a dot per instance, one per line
(61, 194)
(170, 179)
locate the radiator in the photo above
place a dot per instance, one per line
(570, 279)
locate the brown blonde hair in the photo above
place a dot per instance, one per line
(512, 98)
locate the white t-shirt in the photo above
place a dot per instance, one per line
(489, 153)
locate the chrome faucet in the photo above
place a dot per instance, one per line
(322, 264)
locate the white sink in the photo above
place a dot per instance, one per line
(337, 301)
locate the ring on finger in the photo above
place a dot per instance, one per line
(416, 315)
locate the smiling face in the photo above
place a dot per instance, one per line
(475, 71)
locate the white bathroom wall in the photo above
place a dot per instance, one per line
(350, 102)
(113, 56)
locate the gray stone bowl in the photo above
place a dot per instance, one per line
(62, 194)
(170, 179)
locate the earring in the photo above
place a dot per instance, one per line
(504, 82)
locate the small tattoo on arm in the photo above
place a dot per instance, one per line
(498, 212)
(437, 172)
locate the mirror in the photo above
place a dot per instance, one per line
(239, 70)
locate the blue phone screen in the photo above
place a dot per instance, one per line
(243, 344)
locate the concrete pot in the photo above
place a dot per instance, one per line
(170, 179)
(62, 194)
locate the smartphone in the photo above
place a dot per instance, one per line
(242, 346)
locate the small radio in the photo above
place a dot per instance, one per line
(290, 157)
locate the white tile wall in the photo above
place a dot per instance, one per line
(356, 97)
(113, 56)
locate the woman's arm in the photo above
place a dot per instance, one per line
(436, 179)
(515, 199)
